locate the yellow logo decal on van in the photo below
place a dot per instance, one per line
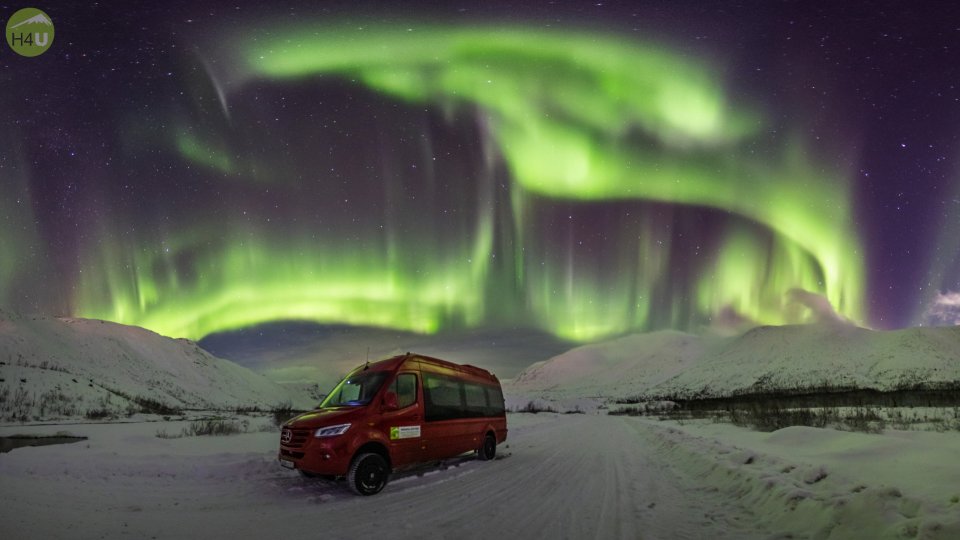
(404, 432)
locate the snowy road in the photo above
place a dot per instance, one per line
(558, 476)
(572, 476)
(561, 477)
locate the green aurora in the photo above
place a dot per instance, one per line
(576, 119)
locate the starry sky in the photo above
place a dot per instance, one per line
(581, 169)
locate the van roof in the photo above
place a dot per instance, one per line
(395, 361)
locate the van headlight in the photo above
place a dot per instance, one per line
(332, 431)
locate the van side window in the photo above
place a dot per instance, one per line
(494, 400)
(441, 397)
(405, 386)
(448, 398)
(476, 400)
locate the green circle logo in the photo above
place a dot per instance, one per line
(29, 32)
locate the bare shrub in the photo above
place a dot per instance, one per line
(282, 412)
(212, 426)
(99, 414)
(56, 403)
(21, 404)
(533, 407)
(153, 406)
(633, 410)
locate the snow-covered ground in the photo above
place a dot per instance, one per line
(558, 476)
(826, 483)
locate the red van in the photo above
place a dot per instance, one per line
(395, 413)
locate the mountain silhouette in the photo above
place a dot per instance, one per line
(39, 18)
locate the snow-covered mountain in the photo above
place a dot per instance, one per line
(792, 358)
(75, 367)
(621, 367)
(765, 359)
(39, 18)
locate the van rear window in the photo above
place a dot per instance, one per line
(448, 398)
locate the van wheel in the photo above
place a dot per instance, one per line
(368, 474)
(487, 450)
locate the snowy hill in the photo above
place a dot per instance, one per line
(765, 359)
(52, 368)
(622, 367)
(39, 18)
(792, 358)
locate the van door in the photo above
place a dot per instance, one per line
(446, 432)
(403, 426)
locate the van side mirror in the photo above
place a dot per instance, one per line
(390, 402)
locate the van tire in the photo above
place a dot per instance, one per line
(368, 474)
(488, 449)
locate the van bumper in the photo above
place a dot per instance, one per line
(331, 457)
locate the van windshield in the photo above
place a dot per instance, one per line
(356, 389)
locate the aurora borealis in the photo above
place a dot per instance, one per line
(440, 171)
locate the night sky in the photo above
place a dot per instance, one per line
(585, 169)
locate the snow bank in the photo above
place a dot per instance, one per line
(824, 483)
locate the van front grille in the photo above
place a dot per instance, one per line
(296, 439)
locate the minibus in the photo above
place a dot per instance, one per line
(393, 414)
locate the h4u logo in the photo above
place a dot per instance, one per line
(29, 32)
